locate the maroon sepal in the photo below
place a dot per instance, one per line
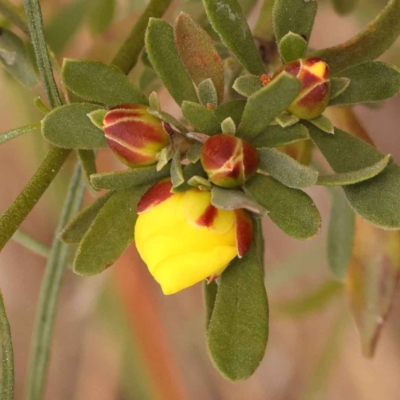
(158, 193)
(244, 232)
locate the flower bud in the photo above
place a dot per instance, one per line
(316, 86)
(184, 239)
(228, 160)
(134, 135)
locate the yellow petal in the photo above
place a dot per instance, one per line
(318, 69)
(185, 270)
(197, 204)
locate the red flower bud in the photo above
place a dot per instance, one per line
(134, 135)
(315, 92)
(228, 160)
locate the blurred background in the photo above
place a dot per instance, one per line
(117, 337)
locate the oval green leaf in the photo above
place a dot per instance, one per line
(125, 179)
(238, 330)
(292, 47)
(295, 16)
(378, 199)
(198, 53)
(369, 44)
(286, 170)
(275, 136)
(165, 59)
(369, 82)
(208, 93)
(338, 86)
(75, 230)
(233, 109)
(202, 119)
(110, 233)
(70, 127)
(350, 178)
(267, 103)
(101, 83)
(291, 210)
(228, 21)
(248, 84)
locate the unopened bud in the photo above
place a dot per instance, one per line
(228, 160)
(134, 135)
(316, 86)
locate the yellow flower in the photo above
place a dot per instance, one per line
(183, 239)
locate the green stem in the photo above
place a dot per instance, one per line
(13, 15)
(31, 244)
(55, 268)
(30, 195)
(129, 52)
(7, 356)
(5, 137)
(35, 23)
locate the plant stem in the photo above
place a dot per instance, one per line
(13, 15)
(11, 134)
(31, 244)
(129, 52)
(7, 356)
(56, 265)
(30, 195)
(35, 23)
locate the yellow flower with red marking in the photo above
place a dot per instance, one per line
(316, 86)
(134, 135)
(184, 239)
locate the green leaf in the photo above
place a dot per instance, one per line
(264, 105)
(228, 199)
(369, 44)
(228, 21)
(340, 234)
(69, 127)
(248, 84)
(238, 330)
(13, 133)
(324, 124)
(126, 179)
(177, 177)
(208, 93)
(344, 7)
(87, 158)
(296, 16)
(97, 117)
(65, 23)
(202, 119)
(350, 178)
(369, 82)
(292, 47)
(154, 102)
(378, 199)
(101, 15)
(200, 183)
(100, 83)
(291, 210)
(372, 280)
(233, 109)
(210, 291)
(194, 152)
(228, 126)
(15, 58)
(165, 59)
(110, 233)
(286, 170)
(275, 136)
(338, 86)
(285, 120)
(198, 53)
(75, 230)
